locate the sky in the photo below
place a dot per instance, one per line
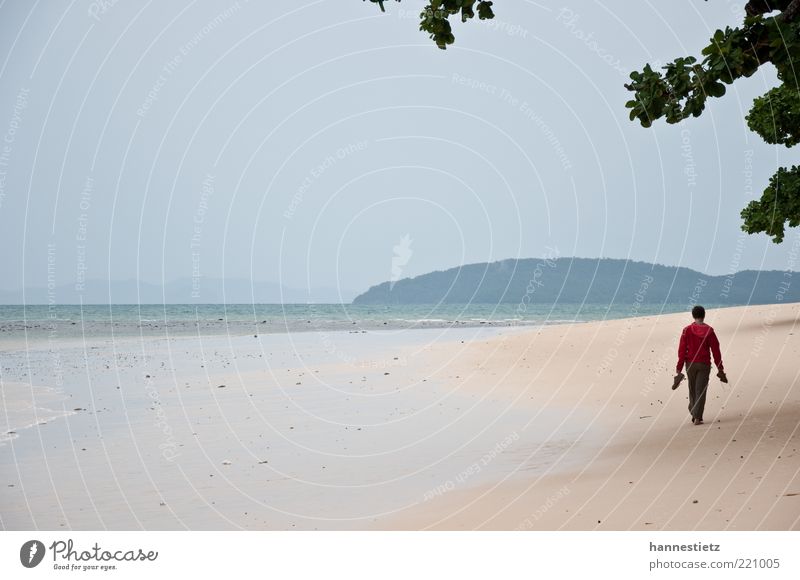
(326, 144)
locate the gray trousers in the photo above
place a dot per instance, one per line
(698, 374)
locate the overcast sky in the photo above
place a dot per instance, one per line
(302, 143)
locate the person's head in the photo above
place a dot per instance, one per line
(699, 313)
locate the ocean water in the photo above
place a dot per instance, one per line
(64, 321)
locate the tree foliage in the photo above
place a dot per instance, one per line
(435, 17)
(770, 33)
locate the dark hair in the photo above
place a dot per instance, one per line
(698, 312)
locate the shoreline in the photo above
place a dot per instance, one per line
(185, 320)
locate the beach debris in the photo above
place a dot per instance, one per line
(221, 387)
(784, 495)
(694, 501)
(263, 462)
(227, 462)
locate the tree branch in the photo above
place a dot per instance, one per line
(789, 9)
(756, 7)
(791, 12)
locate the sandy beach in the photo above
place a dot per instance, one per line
(570, 426)
(654, 470)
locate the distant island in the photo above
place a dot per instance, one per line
(545, 281)
(200, 290)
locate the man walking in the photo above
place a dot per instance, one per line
(697, 340)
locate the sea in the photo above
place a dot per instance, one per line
(191, 319)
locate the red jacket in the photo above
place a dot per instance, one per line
(696, 341)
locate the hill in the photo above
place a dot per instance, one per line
(589, 280)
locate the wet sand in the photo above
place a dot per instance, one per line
(328, 430)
